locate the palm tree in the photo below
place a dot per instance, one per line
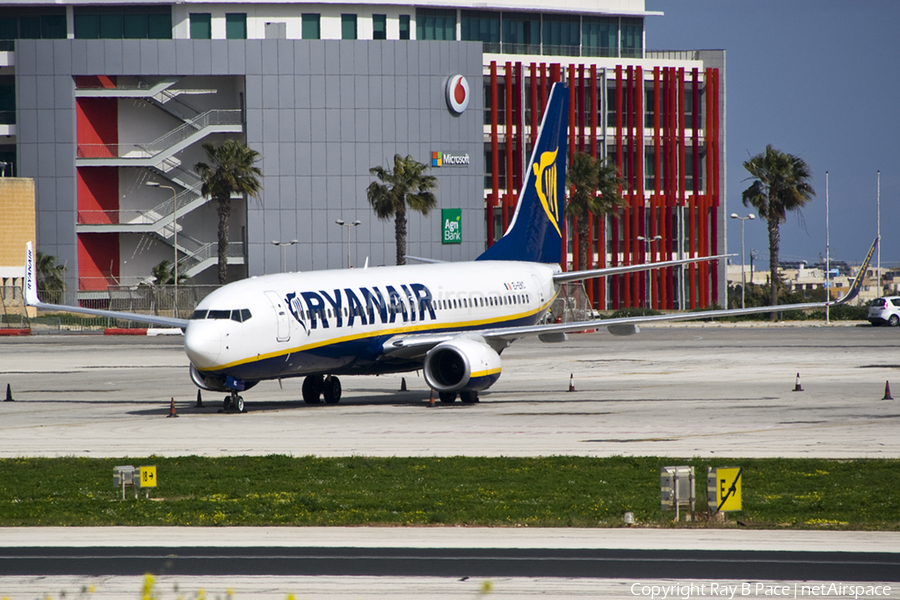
(589, 175)
(781, 184)
(231, 171)
(50, 281)
(164, 274)
(405, 187)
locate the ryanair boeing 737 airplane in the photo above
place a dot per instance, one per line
(452, 320)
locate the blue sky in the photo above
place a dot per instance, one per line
(816, 78)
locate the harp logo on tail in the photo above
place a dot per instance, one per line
(545, 179)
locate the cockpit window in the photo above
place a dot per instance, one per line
(240, 314)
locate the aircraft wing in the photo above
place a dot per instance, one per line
(594, 273)
(31, 299)
(418, 344)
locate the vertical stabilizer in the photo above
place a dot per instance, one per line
(535, 232)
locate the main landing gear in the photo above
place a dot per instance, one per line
(234, 403)
(316, 386)
(466, 397)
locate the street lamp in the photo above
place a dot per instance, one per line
(742, 219)
(348, 226)
(156, 184)
(648, 241)
(283, 244)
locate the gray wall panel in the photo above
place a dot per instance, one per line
(286, 125)
(45, 93)
(202, 56)
(131, 57)
(148, 55)
(317, 126)
(332, 57)
(301, 91)
(113, 51)
(253, 57)
(270, 58)
(167, 63)
(287, 161)
(269, 91)
(285, 91)
(333, 166)
(347, 58)
(218, 59)
(285, 56)
(317, 91)
(317, 57)
(237, 63)
(347, 125)
(332, 125)
(44, 59)
(332, 91)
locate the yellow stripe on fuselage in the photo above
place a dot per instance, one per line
(394, 331)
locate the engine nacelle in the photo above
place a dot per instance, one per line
(462, 365)
(216, 383)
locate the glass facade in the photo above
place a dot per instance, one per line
(348, 27)
(632, 38)
(311, 27)
(404, 27)
(435, 24)
(521, 33)
(561, 35)
(481, 26)
(32, 24)
(379, 27)
(236, 26)
(201, 26)
(122, 22)
(599, 36)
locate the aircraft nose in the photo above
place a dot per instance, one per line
(203, 343)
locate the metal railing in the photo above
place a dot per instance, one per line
(210, 118)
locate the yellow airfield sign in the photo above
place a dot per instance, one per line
(728, 489)
(148, 477)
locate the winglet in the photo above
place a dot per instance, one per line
(860, 277)
(30, 284)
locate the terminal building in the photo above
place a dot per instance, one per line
(106, 106)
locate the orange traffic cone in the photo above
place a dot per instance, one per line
(797, 387)
(431, 402)
(887, 391)
(571, 382)
(172, 409)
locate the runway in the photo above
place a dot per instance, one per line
(677, 390)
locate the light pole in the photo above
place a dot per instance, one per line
(283, 245)
(348, 226)
(743, 282)
(648, 241)
(156, 184)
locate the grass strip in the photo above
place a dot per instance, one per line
(561, 491)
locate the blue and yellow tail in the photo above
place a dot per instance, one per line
(535, 232)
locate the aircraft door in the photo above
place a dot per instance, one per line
(282, 322)
(539, 289)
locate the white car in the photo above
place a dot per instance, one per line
(885, 310)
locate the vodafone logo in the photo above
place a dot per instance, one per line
(457, 94)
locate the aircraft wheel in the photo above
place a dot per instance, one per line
(447, 397)
(312, 389)
(468, 397)
(332, 390)
(238, 404)
(226, 404)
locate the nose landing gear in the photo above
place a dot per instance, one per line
(234, 403)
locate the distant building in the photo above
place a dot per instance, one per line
(97, 100)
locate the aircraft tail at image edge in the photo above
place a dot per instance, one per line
(535, 230)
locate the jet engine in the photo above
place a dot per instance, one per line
(461, 365)
(215, 383)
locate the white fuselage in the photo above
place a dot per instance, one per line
(335, 322)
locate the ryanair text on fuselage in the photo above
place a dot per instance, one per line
(409, 302)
